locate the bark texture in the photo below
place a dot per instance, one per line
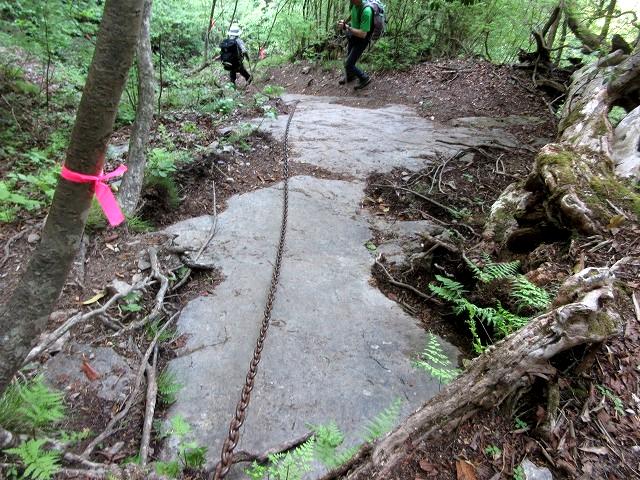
(133, 179)
(25, 314)
(508, 367)
(574, 185)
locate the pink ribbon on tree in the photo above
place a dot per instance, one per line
(103, 192)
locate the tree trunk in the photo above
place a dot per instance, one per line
(573, 186)
(131, 187)
(508, 367)
(205, 57)
(25, 314)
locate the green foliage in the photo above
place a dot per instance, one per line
(518, 473)
(192, 455)
(30, 406)
(153, 329)
(491, 271)
(39, 464)
(291, 465)
(328, 438)
(383, 422)
(169, 469)
(139, 225)
(616, 114)
(240, 135)
(435, 362)
(521, 424)
(272, 91)
(168, 386)
(322, 447)
(493, 451)
(617, 402)
(503, 322)
(178, 427)
(529, 295)
(132, 302)
(72, 438)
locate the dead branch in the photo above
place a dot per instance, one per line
(393, 281)
(419, 195)
(110, 429)
(7, 246)
(164, 285)
(214, 225)
(79, 319)
(152, 393)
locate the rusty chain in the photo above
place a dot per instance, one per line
(230, 443)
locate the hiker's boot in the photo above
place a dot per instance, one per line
(362, 83)
(346, 79)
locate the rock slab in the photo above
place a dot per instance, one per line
(337, 349)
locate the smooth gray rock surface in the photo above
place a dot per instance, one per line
(338, 349)
(357, 141)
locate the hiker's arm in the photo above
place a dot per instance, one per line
(356, 32)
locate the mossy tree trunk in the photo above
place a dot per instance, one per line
(574, 184)
(25, 314)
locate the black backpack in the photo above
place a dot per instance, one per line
(229, 53)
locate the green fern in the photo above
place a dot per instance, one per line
(168, 387)
(31, 405)
(328, 439)
(168, 469)
(286, 466)
(434, 361)
(448, 289)
(39, 464)
(493, 271)
(177, 427)
(529, 295)
(192, 455)
(382, 423)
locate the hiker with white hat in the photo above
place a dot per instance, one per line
(232, 52)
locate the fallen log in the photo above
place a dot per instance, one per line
(505, 369)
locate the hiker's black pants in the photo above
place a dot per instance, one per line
(355, 49)
(233, 72)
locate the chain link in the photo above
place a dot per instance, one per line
(226, 455)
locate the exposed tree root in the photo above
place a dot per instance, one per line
(506, 368)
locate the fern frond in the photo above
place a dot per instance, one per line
(31, 405)
(434, 361)
(529, 295)
(328, 439)
(40, 464)
(448, 290)
(292, 465)
(383, 422)
(511, 322)
(168, 387)
(492, 270)
(499, 271)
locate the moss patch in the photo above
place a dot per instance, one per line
(610, 188)
(562, 162)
